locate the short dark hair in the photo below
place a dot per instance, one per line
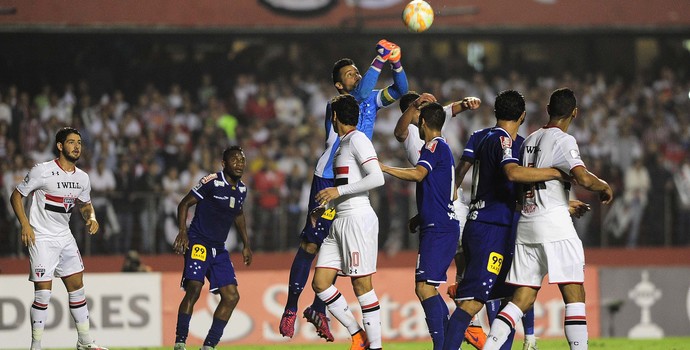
(562, 103)
(509, 105)
(61, 136)
(433, 115)
(231, 149)
(338, 66)
(346, 109)
(407, 99)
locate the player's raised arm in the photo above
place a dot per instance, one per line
(466, 104)
(410, 114)
(400, 86)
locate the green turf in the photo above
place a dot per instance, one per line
(550, 344)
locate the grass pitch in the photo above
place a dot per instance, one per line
(676, 343)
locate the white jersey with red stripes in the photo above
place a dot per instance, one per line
(354, 151)
(545, 216)
(55, 195)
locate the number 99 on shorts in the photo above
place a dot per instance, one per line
(495, 263)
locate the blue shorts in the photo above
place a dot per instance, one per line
(436, 252)
(214, 264)
(317, 234)
(489, 252)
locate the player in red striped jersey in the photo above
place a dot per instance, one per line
(58, 187)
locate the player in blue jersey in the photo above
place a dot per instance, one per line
(488, 238)
(407, 132)
(219, 198)
(439, 226)
(347, 80)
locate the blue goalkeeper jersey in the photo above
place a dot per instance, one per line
(493, 196)
(220, 202)
(370, 101)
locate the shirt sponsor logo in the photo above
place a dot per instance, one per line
(218, 183)
(209, 177)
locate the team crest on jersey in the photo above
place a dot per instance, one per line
(431, 146)
(506, 142)
(243, 189)
(68, 203)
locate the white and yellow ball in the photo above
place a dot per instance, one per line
(418, 16)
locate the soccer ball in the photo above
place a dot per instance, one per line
(418, 16)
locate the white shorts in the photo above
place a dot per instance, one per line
(352, 245)
(54, 258)
(563, 261)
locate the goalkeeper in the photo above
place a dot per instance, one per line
(347, 80)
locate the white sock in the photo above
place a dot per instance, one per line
(39, 315)
(575, 325)
(502, 326)
(337, 305)
(371, 317)
(80, 314)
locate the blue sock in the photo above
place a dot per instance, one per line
(528, 321)
(299, 273)
(318, 304)
(455, 332)
(215, 332)
(492, 309)
(509, 342)
(182, 329)
(436, 312)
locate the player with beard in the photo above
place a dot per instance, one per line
(58, 186)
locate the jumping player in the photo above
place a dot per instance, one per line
(347, 80)
(351, 247)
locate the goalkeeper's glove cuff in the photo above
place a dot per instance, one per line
(377, 63)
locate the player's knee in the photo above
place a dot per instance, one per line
(230, 298)
(192, 291)
(309, 247)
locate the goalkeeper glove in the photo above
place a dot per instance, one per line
(384, 49)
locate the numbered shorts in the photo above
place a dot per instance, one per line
(436, 252)
(316, 234)
(563, 261)
(211, 263)
(352, 246)
(488, 252)
(57, 257)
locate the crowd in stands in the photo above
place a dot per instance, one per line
(144, 150)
